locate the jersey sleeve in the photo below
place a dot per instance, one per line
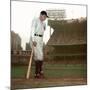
(33, 28)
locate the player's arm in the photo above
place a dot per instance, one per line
(33, 32)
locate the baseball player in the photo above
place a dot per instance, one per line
(37, 31)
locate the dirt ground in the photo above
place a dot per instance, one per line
(22, 83)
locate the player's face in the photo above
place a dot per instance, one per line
(43, 17)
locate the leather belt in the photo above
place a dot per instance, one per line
(38, 35)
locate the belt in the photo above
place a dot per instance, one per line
(38, 35)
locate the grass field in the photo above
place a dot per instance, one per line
(53, 70)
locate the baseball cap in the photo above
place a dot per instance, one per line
(43, 13)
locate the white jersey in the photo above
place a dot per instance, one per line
(38, 28)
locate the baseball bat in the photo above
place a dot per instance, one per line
(29, 66)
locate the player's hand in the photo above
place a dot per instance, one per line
(34, 43)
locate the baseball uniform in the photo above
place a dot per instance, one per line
(37, 30)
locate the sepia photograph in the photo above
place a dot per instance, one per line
(48, 44)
